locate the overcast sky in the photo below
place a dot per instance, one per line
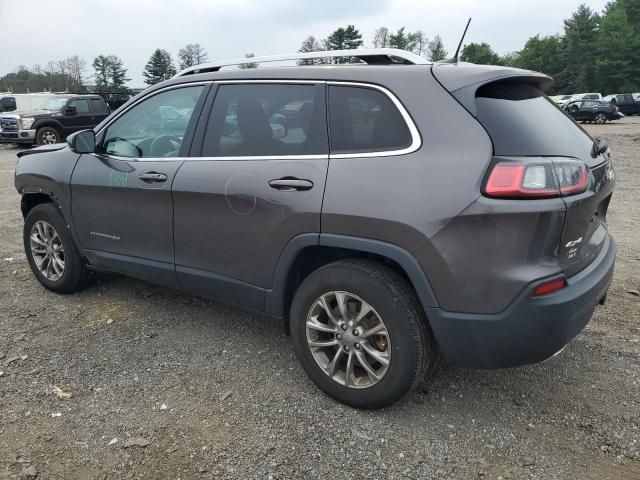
(37, 31)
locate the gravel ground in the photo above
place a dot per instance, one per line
(165, 385)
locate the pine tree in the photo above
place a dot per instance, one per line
(402, 40)
(117, 73)
(101, 67)
(580, 40)
(343, 39)
(159, 67)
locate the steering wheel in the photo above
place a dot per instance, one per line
(164, 144)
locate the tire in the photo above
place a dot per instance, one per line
(408, 344)
(74, 274)
(600, 118)
(48, 136)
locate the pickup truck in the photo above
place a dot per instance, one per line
(59, 116)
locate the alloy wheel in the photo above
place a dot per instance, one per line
(47, 250)
(348, 339)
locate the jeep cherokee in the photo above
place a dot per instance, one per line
(387, 212)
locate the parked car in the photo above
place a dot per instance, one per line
(379, 233)
(11, 102)
(560, 99)
(592, 111)
(54, 119)
(626, 103)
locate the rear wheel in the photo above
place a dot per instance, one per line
(47, 136)
(51, 252)
(360, 333)
(600, 118)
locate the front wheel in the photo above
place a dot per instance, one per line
(51, 252)
(47, 136)
(600, 118)
(360, 333)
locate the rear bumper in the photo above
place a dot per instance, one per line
(530, 330)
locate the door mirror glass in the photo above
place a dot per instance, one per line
(82, 142)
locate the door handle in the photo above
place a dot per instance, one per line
(290, 184)
(153, 177)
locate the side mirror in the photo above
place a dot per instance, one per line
(70, 110)
(82, 142)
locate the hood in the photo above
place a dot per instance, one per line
(42, 149)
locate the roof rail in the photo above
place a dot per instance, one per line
(371, 56)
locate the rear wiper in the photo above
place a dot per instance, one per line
(600, 145)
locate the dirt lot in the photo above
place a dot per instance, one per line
(217, 393)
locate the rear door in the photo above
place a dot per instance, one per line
(98, 109)
(121, 195)
(255, 181)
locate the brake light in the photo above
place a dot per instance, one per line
(537, 179)
(545, 288)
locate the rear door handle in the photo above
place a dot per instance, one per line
(290, 184)
(153, 177)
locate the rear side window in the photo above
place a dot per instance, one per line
(97, 106)
(522, 121)
(267, 120)
(365, 120)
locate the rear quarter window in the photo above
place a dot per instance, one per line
(521, 120)
(364, 120)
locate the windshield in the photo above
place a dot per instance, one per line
(53, 103)
(521, 120)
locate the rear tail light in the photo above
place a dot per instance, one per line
(537, 179)
(545, 288)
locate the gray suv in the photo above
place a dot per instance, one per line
(388, 213)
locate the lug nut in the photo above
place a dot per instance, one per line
(344, 327)
(338, 336)
(357, 346)
(346, 348)
(356, 332)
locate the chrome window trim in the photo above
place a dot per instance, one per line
(416, 139)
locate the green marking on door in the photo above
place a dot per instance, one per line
(118, 179)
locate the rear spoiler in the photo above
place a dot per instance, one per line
(462, 80)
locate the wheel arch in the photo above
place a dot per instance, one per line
(308, 252)
(48, 122)
(32, 199)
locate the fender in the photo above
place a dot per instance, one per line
(275, 297)
(49, 122)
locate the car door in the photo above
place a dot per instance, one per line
(98, 109)
(587, 111)
(121, 195)
(254, 182)
(81, 117)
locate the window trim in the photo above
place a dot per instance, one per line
(416, 139)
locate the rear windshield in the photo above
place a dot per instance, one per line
(521, 120)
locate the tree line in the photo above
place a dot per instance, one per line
(595, 52)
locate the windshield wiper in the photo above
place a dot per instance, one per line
(600, 145)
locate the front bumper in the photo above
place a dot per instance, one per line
(20, 136)
(531, 329)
